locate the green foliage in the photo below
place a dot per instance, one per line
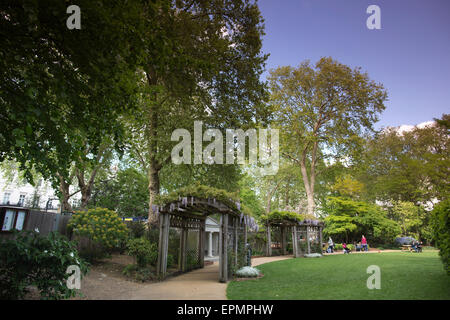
(410, 166)
(322, 111)
(126, 193)
(205, 192)
(170, 260)
(137, 229)
(138, 273)
(278, 215)
(338, 246)
(349, 219)
(346, 186)
(441, 231)
(101, 225)
(248, 196)
(143, 251)
(61, 88)
(34, 260)
(413, 219)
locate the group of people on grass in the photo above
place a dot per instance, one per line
(417, 246)
(361, 246)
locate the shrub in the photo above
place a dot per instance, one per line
(141, 274)
(103, 226)
(170, 260)
(313, 255)
(441, 233)
(247, 272)
(137, 229)
(143, 251)
(34, 260)
(338, 246)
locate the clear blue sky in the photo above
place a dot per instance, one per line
(410, 55)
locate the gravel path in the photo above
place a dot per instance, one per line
(200, 284)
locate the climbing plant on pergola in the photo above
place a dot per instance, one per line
(306, 234)
(187, 209)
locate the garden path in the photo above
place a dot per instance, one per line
(200, 284)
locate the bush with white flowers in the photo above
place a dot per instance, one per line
(313, 255)
(247, 272)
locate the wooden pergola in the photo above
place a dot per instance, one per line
(284, 226)
(306, 234)
(188, 214)
(307, 237)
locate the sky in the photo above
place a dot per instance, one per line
(409, 55)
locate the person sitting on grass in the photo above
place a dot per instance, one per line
(345, 248)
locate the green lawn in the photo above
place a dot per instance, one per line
(404, 275)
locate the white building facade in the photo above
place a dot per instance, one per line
(16, 192)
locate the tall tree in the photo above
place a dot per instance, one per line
(60, 88)
(208, 69)
(411, 165)
(322, 112)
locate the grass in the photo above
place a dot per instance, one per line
(404, 275)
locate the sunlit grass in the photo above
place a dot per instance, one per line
(404, 275)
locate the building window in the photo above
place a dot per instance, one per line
(21, 200)
(12, 219)
(6, 196)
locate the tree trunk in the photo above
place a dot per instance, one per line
(309, 188)
(153, 188)
(65, 195)
(151, 135)
(86, 187)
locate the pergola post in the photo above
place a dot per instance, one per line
(223, 248)
(269, 242)
(183, 242)
(294, 241)
(163, 245)
(320, 237)
(308, 240)
(245, 243)
(201, 243)
(235, 226)
(283, 240)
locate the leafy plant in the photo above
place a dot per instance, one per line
(34, 260)
(143, 251)
(138, 273)
(441, 227)
(137, 229)
(101, 225)
(247, 272)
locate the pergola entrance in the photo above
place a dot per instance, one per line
(305, 235)
(188, 216)
(308, 237)
(278, 232)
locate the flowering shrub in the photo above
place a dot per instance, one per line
(101, 225)
(313, 255)
(34, 260)
(247, 272)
